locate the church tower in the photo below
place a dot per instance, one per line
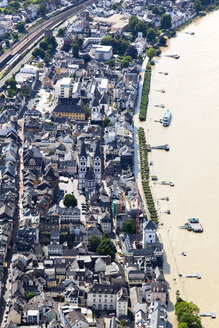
(82, 169)
(149, 233)
(97, 164)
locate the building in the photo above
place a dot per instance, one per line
(102, 53)
(65, 88)
(75, 319)
(108, 297)
(67, 108)
(89, 177)
(149, 233)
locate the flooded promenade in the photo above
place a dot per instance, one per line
(192, 95)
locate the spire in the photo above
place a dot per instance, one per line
(97, 151)
(83, 150)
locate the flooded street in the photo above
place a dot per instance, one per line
(192, 95)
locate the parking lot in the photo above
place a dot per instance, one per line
(71, 187)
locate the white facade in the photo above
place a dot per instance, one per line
(97, 169)
(3, 3)
(102, 301)
(149, 233)
(103, 52)
(64, 88)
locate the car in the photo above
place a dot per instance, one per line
(5, 319)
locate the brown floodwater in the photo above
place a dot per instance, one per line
(192, 95)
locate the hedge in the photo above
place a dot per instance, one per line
(145, 93)
(145, 173)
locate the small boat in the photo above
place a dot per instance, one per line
(166, 118)
(183, 253)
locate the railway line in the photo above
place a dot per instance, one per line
(28, 40)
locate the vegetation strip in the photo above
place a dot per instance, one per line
(145, 173)
(145, 93)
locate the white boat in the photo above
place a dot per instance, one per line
(166, 118)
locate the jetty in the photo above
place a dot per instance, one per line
(173, 56)
(196, 275)
(164, 73)
(211, 314)
(161, 90)
(190, 33)
(162, 106)
(168, 183)
(163, 147)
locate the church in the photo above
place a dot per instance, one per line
(89, 171)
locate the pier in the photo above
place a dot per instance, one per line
(196, 275)
(164, 73)
(173, 56)
(211, 315)
(167, 183)
(163, 147)
(162, 106)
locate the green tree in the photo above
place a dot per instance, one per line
(47, 58)
(61, 32)
(198, 6)
(151, 53)
(79, 42)
(129, 226)
(106, 247)
(70, 201)
(106, 122)
(187, 312)
(123, 323)
(30, 295)
(75, 50)
(136, 25)
(15, 4)
(87, 111)
(7, 43)
(42, 10)
(43, 45)
(20, 27)
(132, 52)
(93, 243)
(126, 60)
(111, 63)
(165, 22)
(151, 34)
(183, 325)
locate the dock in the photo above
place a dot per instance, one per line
(196, 275)
(167, 183)
(211, 315)
(162, 147)
(164, 73)
(173, 56)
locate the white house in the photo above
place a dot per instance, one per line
(108, 297)
(102, 53)
(149, 233)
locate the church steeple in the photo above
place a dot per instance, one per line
(82, 168)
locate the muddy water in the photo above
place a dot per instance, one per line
(192, 95)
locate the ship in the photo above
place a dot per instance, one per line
(166, 118)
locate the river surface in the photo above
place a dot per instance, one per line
(192, 95)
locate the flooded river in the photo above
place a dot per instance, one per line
(192, 95)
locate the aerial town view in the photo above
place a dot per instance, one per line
(109, 163)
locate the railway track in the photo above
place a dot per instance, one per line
(29, 39)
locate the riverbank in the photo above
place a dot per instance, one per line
(191, 137)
